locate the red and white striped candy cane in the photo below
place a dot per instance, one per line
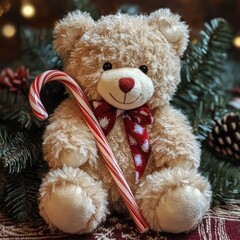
(85, 108)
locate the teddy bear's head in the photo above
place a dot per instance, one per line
(126, 60)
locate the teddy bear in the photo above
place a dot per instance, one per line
(129, 68)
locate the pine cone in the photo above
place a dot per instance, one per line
(17, 81)
(225, 137)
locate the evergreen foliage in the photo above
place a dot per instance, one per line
(2, 183)
(85, 6)
(20, 198)
(19, 150)
(15, 109)
(223, 175)
(201, 96)
(38, 53)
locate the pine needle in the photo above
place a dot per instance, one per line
(16, 108)
(223, 175)
(20, 200)
(19, 151)
(2, 182)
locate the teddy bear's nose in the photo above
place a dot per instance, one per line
(126, 84)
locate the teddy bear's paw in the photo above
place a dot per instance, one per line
(174, 200)
(180, 210)
(72, 201)
(70, 157)
(59, 154)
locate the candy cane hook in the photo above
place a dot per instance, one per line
(101, 141)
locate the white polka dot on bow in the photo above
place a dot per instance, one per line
(138, 159)
(145, 146)
(104, 122)
(138, 129)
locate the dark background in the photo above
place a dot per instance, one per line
(194, 12)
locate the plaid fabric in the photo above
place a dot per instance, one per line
(221, 223)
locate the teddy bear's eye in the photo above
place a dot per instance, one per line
(143, 68)
(107, 66)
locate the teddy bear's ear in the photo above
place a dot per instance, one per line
(69, 30)
(174, 30)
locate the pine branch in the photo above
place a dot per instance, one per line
(19, 151)
(20, 199)
(205, 114)
(38, 51)
(204, 71)
(2, 183)
(209, 54)
(16, 108)
(130, 9)
(223, 175)
(85, 6)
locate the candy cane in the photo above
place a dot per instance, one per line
(85, 108)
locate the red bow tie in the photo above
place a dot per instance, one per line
(134, 122)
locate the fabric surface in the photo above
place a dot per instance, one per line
(220, 223)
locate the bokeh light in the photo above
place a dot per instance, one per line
(236, 41)
(28, 10)
(8, 30)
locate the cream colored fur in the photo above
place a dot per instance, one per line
(78, 192)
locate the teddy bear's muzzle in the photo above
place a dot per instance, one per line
(125, 88)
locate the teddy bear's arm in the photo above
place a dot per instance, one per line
(173, 142)
(67, 139)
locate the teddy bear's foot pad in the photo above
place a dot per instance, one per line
(74, 202)
(181, 209)
(174, 200)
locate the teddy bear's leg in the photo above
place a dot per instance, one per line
(72, 201)
(174, 200)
